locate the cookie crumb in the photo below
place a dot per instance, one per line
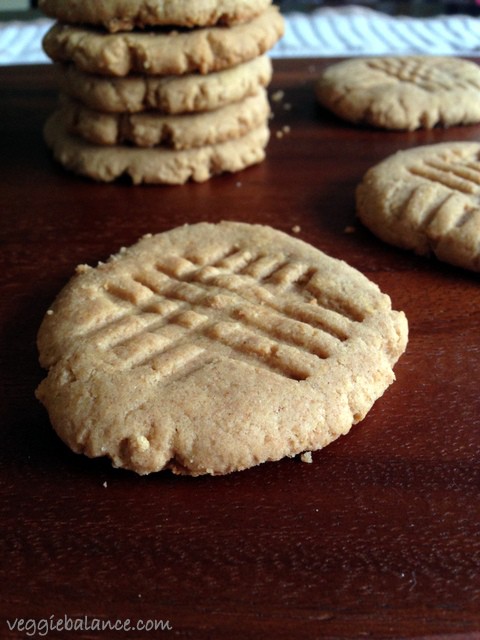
(287, 106)
(296, 228)
(50, 312)
(142, 443)
(306, 457)
(281, 132)
(278, 96)
(105, 484)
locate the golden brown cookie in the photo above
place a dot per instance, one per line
(427, 199)
(151, 129)
(125, 15)
(154, 165)
(169, 94)
(402, 92)
(211, 348)
(171, 51)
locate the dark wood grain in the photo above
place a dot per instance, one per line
(379, 537)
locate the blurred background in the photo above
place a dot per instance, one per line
(417, 8)
(314, 28)
(26, 9)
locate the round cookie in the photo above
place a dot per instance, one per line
(125, 15)
(402, 92)
(151, 129)
(211, 348)
(166, 52)
(427, 199)
(169, 94)
(152, 165)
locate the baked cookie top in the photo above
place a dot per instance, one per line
(402, 92)
(154, 165)
(169, 94)
(427, 199)
(211, 348)
(125, 15)
(151, 129)
(163, 52)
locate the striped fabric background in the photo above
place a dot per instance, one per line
(346, 31)
(354, 31)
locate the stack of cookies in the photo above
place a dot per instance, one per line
(162, 92)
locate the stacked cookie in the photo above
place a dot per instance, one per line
(163, 92)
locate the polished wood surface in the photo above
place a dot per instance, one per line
(378, 538)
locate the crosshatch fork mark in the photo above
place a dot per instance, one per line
(438, 217)
(271, 344)
(273, 269)
(422, 74)
(259, 280)
(463, 177)
(171, 312)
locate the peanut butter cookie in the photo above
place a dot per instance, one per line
(427, 199)
(402, 92)
(212, 348)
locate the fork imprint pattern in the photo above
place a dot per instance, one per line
(256, 308)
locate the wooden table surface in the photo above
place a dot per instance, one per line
(378, 538)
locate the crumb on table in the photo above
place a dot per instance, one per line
(306, 457)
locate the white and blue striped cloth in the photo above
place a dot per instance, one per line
(21, 42)
(354, 31)
(327, 32)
